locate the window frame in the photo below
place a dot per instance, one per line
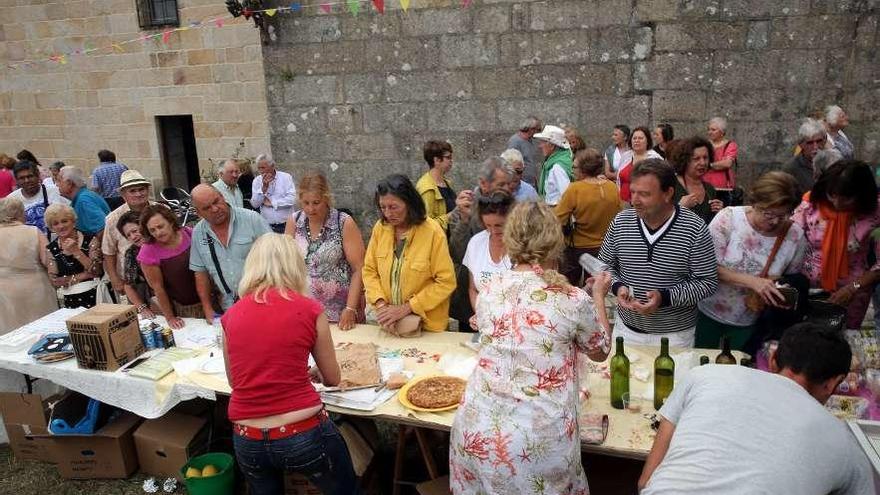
(147, 19)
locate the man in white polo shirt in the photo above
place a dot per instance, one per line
(273, 193)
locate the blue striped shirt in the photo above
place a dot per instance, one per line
(106, 179)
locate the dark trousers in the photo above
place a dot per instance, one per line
(320, 454)
(571, 266)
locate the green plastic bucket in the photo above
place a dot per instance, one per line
(222, 483)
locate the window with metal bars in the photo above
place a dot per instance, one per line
(157, 13)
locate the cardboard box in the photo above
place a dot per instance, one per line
(109, 453)
(105, 337)
(25, 417)
(165, 444)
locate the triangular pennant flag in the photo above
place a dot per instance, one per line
(166, 36)
(380, 5)
(326, 8)
(247, 13)
(182, 28)
(295, 7)
(194, 24)
(465, 3)
(404, 4)
(271, 12)
(118, 48)
(354, 6)
(219, 22)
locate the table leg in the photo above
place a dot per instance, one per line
(398, 459)
(427, 456)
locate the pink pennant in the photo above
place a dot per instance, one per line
(380, 5)
(166, 36)
(325, 7)
(219, 22)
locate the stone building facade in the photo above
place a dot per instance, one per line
(358, 96)
(116, 99)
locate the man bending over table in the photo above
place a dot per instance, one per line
(734, 430)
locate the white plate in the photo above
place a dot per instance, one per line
(213, 366)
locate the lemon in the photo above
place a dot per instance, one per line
(192, 472)
(209, 470)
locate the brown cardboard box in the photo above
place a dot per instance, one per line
(24, 416)
(109, 453)
(105, 337)
(165, 444)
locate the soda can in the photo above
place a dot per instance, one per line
(147, 337)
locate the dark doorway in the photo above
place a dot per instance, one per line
(180, 162)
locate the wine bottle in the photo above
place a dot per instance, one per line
(726, 357)
(664, 374)
(619, 377)
(746, 362)
(704, 360)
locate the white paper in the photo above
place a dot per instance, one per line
(197, 336)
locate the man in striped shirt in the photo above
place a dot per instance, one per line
(662, 261)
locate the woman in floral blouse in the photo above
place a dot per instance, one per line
(331, 243)
(744, 237)
(516, 430)
(837, 217)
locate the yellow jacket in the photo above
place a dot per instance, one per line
(427, 278)
(435, 205)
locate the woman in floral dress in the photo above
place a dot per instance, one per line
(516, 430)
(331, 243)
(744, 237)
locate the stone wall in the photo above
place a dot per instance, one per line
(358, 96)
(110, 100)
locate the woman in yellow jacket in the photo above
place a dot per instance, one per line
(434, 188)
(407, 269)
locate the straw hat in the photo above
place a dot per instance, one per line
(131, 178)
(553, 135)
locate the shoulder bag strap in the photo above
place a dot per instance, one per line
(210, 241)
(776, 245)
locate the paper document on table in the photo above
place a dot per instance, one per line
(197, 336)
(25, 336)
(365, 399)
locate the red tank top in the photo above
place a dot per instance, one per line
(268, 346)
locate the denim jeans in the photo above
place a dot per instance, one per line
(320, 454)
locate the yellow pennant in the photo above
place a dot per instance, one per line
(271, 12)
(404, 4)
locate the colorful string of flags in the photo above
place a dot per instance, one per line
(353, 6)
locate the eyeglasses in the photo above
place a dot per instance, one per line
(446, 157)
(769, 215)
(814, 142)
(518, 171)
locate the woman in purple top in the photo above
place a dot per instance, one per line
(164, 258)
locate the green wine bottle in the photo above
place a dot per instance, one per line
(664, 374)
(726, 357)
(619, 377)
(704, 360)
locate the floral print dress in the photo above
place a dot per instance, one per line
(329, 271)
(516, 430)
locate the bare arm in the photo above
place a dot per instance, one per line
(325, 354)
(154, 277)
(472, 291)
(658, 451)
(110, 266)
(353, 246)
(203, 288)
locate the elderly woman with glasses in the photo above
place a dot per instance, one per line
(521, 190)
(74, 258)
(434, 187)
(407, 269)
(745, 238)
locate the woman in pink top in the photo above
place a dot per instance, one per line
(164, 259)
(279, 423)
(720, 173)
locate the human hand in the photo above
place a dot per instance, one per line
(209, 315)
(650, 306)
(117, 284)
(175, 322)
(267, 181)
(689, 200)
(267, 201)
(389, 315)
(347, 319)
(472, 321)
(69, 246)
(624, 298)
(716, 205)
(464, 202)
(766, 288)
(843, 295)
(600, 285)
(147, 313)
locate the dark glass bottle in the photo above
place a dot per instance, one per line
(619, 377)
(704, 360)
(664, 374)
(726, 357)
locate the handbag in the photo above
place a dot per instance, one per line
(754, 301)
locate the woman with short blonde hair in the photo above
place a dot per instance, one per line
(278, 418)
(73, 258)
(525, 390)
(25, 292)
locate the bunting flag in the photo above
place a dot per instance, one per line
(353, 6)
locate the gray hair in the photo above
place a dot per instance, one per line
(74, 175)
(265, 157)
(531, 122)
(512, 156)
(809, 128)
(11, 210)
(490, 165)
(720, 123)
(223, 164)
(825, 159)
(833, 114)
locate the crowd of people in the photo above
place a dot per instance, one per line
(687, 253)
